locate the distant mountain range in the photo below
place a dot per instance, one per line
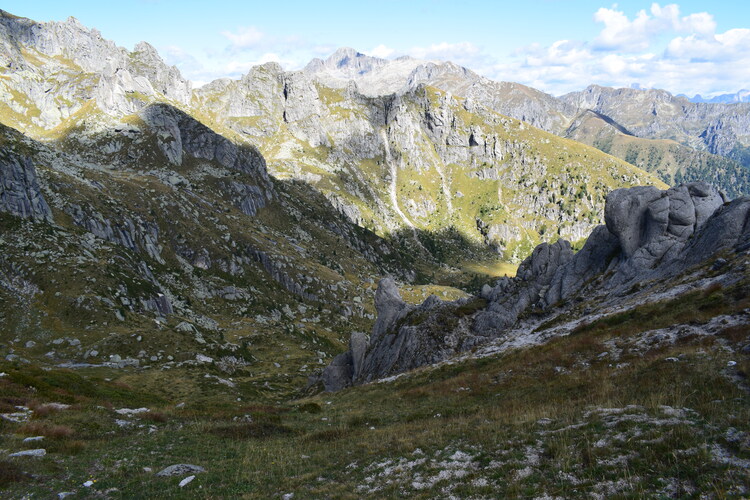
(668, 135)
(740, 96)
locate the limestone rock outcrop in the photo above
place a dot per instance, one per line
(652, 226)
(650, 236)
(389, 305)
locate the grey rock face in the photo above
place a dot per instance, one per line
(600, 248)
(20, 193)
(729, 227)
(159, 304)
(179, 133)
(652, 226)
(511, 297)
(338, 375)
(135, 235)
(279, 275)
(630, 213)
(358, 347)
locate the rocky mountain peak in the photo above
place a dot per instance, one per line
(119, 82)
(73, 21)
(346, 62)
(343, 55)
(143, 47)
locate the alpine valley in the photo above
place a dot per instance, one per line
(369, 278)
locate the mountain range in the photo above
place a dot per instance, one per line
(740, 96)
(191, 272)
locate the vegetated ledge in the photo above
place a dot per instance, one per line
(656, 246)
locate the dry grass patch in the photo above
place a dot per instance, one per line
(50, 431)
(154, 416)
(327, 435)
(42, 410)
(67, 447)
(252, 430)
(736, 334)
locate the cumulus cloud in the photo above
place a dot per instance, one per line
(731, 45)
(247, 36)
(381, 51)
(659, 47)
(621, 33)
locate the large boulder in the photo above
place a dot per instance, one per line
(653, 226)
(338, 374)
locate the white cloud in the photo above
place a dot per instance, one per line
(247, 36)
(560, 53)
(619, 31)
(657, 48)
(731, 45)
(446, 51)
(623, 34)
(381, 51)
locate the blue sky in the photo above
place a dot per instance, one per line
(554, 45)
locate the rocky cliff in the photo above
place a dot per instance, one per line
(52, 71)
(158, 225)
(711, 128)
(423, 161)
(651, 237)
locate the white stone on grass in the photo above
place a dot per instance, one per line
(39, 452)
(187, 480)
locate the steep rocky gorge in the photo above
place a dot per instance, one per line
(651, 237)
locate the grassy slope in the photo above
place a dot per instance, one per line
(607, 411)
